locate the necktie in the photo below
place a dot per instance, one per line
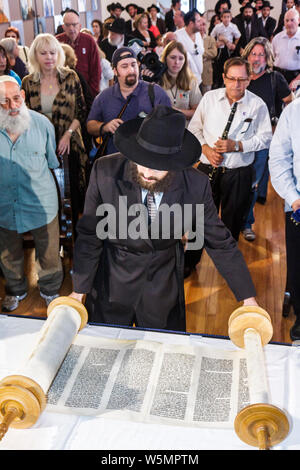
(247, 31)
(150, 201)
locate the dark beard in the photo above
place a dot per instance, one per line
(158, 186)
(131, 81)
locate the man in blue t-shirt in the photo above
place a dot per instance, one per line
(128, 91)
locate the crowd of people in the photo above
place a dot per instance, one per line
(183, 107)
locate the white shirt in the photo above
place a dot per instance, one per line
(284, 49)
(230, 32)
(210, 119)
(284, 161)
(195, 51)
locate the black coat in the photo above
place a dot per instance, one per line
(257, 29)
(169, 20)
(136, 34)
(141, 280)
(269, 26)
(108, 49)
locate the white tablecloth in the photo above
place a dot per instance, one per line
(54, 431)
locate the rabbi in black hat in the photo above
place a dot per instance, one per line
(116, 38)
(129, 254)
(266, 19)
(249, 27)
(157, 24)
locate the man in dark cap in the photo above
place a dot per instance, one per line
(249, 27)
(136, 95)
(130, 264)
(116, 38)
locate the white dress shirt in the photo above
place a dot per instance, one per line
(230, 32)
(284, 161)
(285, 52)
(195, 51)
(251, 125)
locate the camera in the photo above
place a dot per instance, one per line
(148, 60)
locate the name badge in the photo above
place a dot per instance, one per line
(83, 50)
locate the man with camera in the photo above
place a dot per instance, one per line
(286, 48)
(127, 99)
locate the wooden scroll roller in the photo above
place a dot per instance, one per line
(23, 397)
(260, 424)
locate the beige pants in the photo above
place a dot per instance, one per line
(48, 262)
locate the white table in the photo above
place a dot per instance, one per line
(54, 431)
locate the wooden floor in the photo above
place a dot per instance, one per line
(209, 301)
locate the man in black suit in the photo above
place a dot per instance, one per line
(131, 265)
(116, 38)
(249, 27)
(169, 16)
(266, 20)
(132, 10)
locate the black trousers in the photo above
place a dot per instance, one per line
(232, 191)
(292, 237)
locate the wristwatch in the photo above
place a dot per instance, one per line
(236, 146)
(70, 131)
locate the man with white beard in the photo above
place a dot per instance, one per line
(116, 38)
(28, 196)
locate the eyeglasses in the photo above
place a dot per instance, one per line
(196, 49)
(261, 54)
(238, 80)
(8, 101)
(68, 25)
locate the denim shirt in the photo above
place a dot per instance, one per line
(28, 194)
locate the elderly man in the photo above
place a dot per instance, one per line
(28, 196)
(231, 124)
(131, 264)
(129, 94)
(116, 38)
(286, 48)
(284, 165)
(85, 47)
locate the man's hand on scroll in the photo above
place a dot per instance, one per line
(76, 296)
(250, 301)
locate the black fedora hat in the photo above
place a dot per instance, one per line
(131, 5)
(117, 26)
(266, 4)
(153, 6)
(248, 5)
(160, 141)
(117, 5)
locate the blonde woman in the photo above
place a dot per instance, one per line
(141, 31)
(55, 91)
(178, 81)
